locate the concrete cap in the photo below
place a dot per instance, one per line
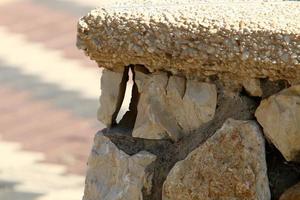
(193, 38)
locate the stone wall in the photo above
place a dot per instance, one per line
(215, 100)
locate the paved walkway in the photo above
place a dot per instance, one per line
(48, 99)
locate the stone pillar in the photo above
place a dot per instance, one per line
(214, 111)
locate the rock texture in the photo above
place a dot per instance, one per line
(113, 85)
(172, 106)
(114, 175)
(229, 165)
(231, 40)
(252, 86)
(279, 116)
(292, 194)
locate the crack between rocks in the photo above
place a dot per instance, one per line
(121, 95)
(128, 120)
(184, 89)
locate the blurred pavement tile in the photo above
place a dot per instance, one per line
(48, 100)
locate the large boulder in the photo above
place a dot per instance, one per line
(229, 165)
(279, 116)
(114, 175)
(171, 107)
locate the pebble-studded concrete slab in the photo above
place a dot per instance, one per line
(197, 38)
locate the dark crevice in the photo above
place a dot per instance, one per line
(243, 92)
(184, 89)
(166, 86)
(272, 87)
(128, 120)
(282, 174)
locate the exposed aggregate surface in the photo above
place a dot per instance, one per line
(232, 39)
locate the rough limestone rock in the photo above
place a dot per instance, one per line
(279, 116)
(234, 41)
(252, 86)
(114, 175)
(112, 91)
(153, 120)
(292, 194)
(172, 106)
(191, 102)
(229, 165)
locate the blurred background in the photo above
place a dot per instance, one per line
(49, 94)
